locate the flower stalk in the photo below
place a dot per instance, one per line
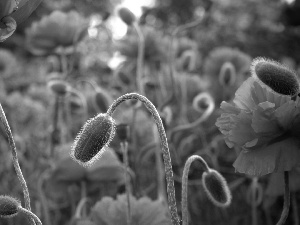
(164, 146)
(286, 204)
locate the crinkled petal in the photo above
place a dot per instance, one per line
(286, 114)
(277, 157)
(243, 99)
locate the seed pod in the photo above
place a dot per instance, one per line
(202, 101)
(123, 132)
(227, 75)
(92, 140)
(276, 76)
(216, 188)
(9, 206)
(59, 87)
(127, 16)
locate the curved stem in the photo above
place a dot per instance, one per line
(124, 147)
(185, 175)
(164, 146)
(286, 204)
(31, 215)
(15, 158)
(140, 59)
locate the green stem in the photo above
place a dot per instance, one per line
(286, 204)
(15, 158)
(124, 147)
(140, 59)
(185, 175)
(164, 146)
(31, 215)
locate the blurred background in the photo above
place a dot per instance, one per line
(71, 58)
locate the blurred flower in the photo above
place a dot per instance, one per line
(214, 67)
(8, 63)
(266, 125)
(59, 29)
(111, 211)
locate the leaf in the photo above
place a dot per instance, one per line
(25, 8)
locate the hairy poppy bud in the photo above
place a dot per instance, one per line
(227, 75)
(58, 86)
(9, 206)
(127, 16)
(276, 76)
(123, 132)
(216, 188)
(202, 101)
(94, 137)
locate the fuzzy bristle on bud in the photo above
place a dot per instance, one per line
(9, 206)
(216, 188)
(276, 76)
(123, 132)
(92, 140)
(227, 75)
(127, 16)
(202, 101)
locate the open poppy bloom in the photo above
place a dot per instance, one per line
(265, 125)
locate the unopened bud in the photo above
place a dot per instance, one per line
(276, 76)
(9, 206)
(216, 188)
(58, 86)
(123, 132)
(92, 140)
(127, 16)
(101, 101)
(227, 76)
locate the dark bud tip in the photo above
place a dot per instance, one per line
(58, 86)
(216, 188)
(102, 101)
(92, 140)
(123, 132)
(9, 206)
(127, 16)
(276, 76)
(227, 76)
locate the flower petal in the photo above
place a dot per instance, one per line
(277, 157)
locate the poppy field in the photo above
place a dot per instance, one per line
(176, 112)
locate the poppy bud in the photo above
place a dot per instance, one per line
(123, 132)
(216, 188)
(9, 206)
(102, 101)
(58, 86)
(202, 101)
(276, 76)
(94, 137)
(227, 75)
(127, 16)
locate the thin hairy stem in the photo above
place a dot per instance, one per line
(140, 59)
(55, 130)
(15, 158)
(31, 215)
(124, 147)
(164, 146)
(185, 175)
(253, 201)
(286, 204)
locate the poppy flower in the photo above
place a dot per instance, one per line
(262, 122)
(13, 12)
(59, 29)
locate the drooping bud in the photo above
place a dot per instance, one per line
(58, 86)
(102, 101)
(227, 75)
(92, 140)
(276, 76)
(216, 188)
(127, 16)
(202, 101)
(123, 132)
(9, 206)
